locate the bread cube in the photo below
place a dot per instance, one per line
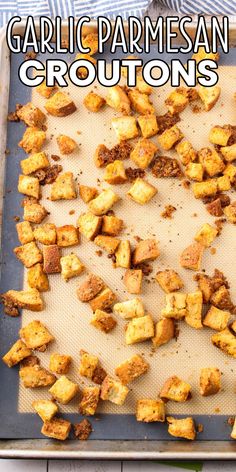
(229, 152)
(133, 281)
(34, 212)
(115, 173)
(56, 428)
(176, 102)
(32, 140)
(145, 251)
(220, 135)
(60, 104)
(51, 259)
(82, 71)
(209, 96)
(169, 280)
(67, 235)
(91, 41)
(90, 288)
(59, 363)
(129, 309)
(194, 171)
(66, 144)
(111, 225)
(107, 243)
(44, 90)
(182, 428)
(176, 390)
(34, 162)
(35, 335)
(88, 364)
(87, 193)
(143, 153)
(123, 255)
(103, 321)
(141, 191)
(89, 225)
(46, 409)
(46, 234)
(103, 202)
(64, 390)
(36, 377)
(16, 354)
(175, 305)
(191, 257)
(206, 235)
(37, 278)
(117, 99)
(148, 410)
(226, 341)
(210, 381)
(24, 232)
(233, 432)
(186, 152)
(148, 125)
(170, 137)
(205, 189)
(221, 299)
(139, 330)
(103, 301)
(164, 332)
(202, 54)
(142, 86)
(114, 391)
(89, 401)
(64, 187)
(28, 299)
(223, 183)
(29, 254)
(230, 212)
(140, 102)
(230, 171)
(131, 369)
(216, 319)
(125, 127)
(93, 102)
(211, 161)
(71, 266)
(29, 186)
(31, 115)
(194, 303)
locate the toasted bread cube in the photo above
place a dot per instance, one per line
(91, 41)
(139, 330)
(59, 363)
(123, 255)
(131, 369)
(194, 303)
(143, 153)
(88, 364)
(67, 235)
(220, 135)
(56, 428)
(129, 309)
(175, 389)
(17, 353)
(82, 71)
(29, 254)
(31, 115)
(46, 409)
(141, 191)
(35, 335)
(140, 102)
(209, 96)
(148, 125)
(115, 173)
(191, 257)
(186, 152)
(230, 171)
(103, 202)
(94, 102)
(90, 288)
(107, 243)
(71, 266)
(66, 144)
(125, 127)
(32, 140)
(194, 171)
(36, 377)
(117, 99)
(223, 183)
(226, 341)
(60, 104)
(111, 225)
(25, 232)
(64, 390)
(51, 259)
(124, 69)
(170, 137)
(29, 186)
(148, 410)
(113, 390)
(46, 234)
(103, 321)
(233, 432)
(210, 381)
(64, 187)
(176, 102)
(206, 235)
(230, 212)
(44, 90)
(89, 225)
(133, 281)
(142, 86)
(216, 319)
(202, 54)
(87, 193)
(175, 305)
(28, 299)
(145, 251)
(102, 156)
(211, 161)
(34, 162)
(89, 402)
(229, 152)
(205, 189)
(169, 280)
(34, 212)
(37, 278)
(221, 298)
(182, 428)
(104, 300)
(164, 332)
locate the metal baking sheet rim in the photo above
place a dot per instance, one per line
(96, 449)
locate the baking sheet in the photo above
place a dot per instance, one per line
(68, 319)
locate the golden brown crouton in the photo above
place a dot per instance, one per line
(229, 152)
(209, 285)
(64, 390)
(230, 212)
(209, 96)
(169, 280)
(194, 171)
(60, 104)
(124, 69)
(28, 299)
(186, 152)
(221, 299)
(24, 232)
(103, 202)
(145, 251)
(67, 235)
(46, 234)
(16, 354)
(103, 301)
(51, 259)
(233, 432)
(148, 125)
(35, 335)
(44, 90)
(115, 173)
(139, 330)
(148, 410)
(117, 99)
(175, 389)
(205, 189)
(181, 428)
(114, 391)
(176, 102)
(71, 266)
(87, 193)
(34, 162)
(88, 364)
(34, 212)
(141, 191)
(90, 288)
(194, 302)
(82, 71)
(123, 255)
(230, 171)
(142, 86)
(36, 377)
(111, 225)
(60, 364)
(164, 332)
(223, 183)
(226, 341)
(103, 321)
(143, 153)
(212, 162)
(32, 139)
(94, 102)
(31, 115)
(125, 127)
(82, 430)
(129, 309)
(64, 187)
(133, 281)
(90, 41)
(29, 254)
(191, 257)
(216, 319)
(89, 225)
(140, 102)
(107, 243)
(170, 137)
(210, 381)
(46, 409)
(66, 144)
(202, 54)
(89, 401)
(220, 135)
(37, 278)
(206, 235)
(56, 428)
(131, 369)
(29, 186)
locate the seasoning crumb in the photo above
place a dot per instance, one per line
(168, 212)
(55, 157)
(82, 430)
(71, 212)
(98, 252)
(16, 218)
(200, 428)
(213, 250)
(30, 55)
(186, 184)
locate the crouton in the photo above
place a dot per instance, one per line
(87, 193)
(191, 257)
(103, 321)
(140, 102)
(230, 212)
(34, 212)
(117, 99)
(88, 364)
(148, 410)
(221, 299)
(175, 305)
(170, 137)
(29, 186)
(139, 330)
(67, 235)
(212, 162)
(164, 332)
(176, 390)
(89, 401)
(107, 243)
(220, 135)
(46, 234)
(209, 96)
(141, 191)
(194, 171)
(186, 152)
(31, 115)
(36, 161)
(60, 104)
(176, 102)
(37, 278)
(181, 428)
(103, 202)
(129, 309)
(51, 259)
(131, 369)
(16, 354)
(32, 140)
(233, 432)
(194, 303)
(63, 390)
(209, 285)
(90, 288)
(125, 127)
(28, 299)
(36, 377)
(71, 266)
(210, 381)
(115, 173)
(205, 189)
(25, 232)
(64, 187)
(223, 183)
(103, 301)
(202, 54)
(111, 225)
(226, 341)
(35, 335)
(169, 280)
(93, 102)
(44, 90)
(56, 428)
(229, 152)
(59, 363)
(206, 235)
(230, 171)
(46, 409)
(114, 391)
(82, 71)
(145, 251)
(89, 225)
(29, 254)
(163, 166)
(124, 69)
(123, 255)
(66, 144)
(143, 153)
(216, 319)
(91, 41)
(148, 125)
(133, 281)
